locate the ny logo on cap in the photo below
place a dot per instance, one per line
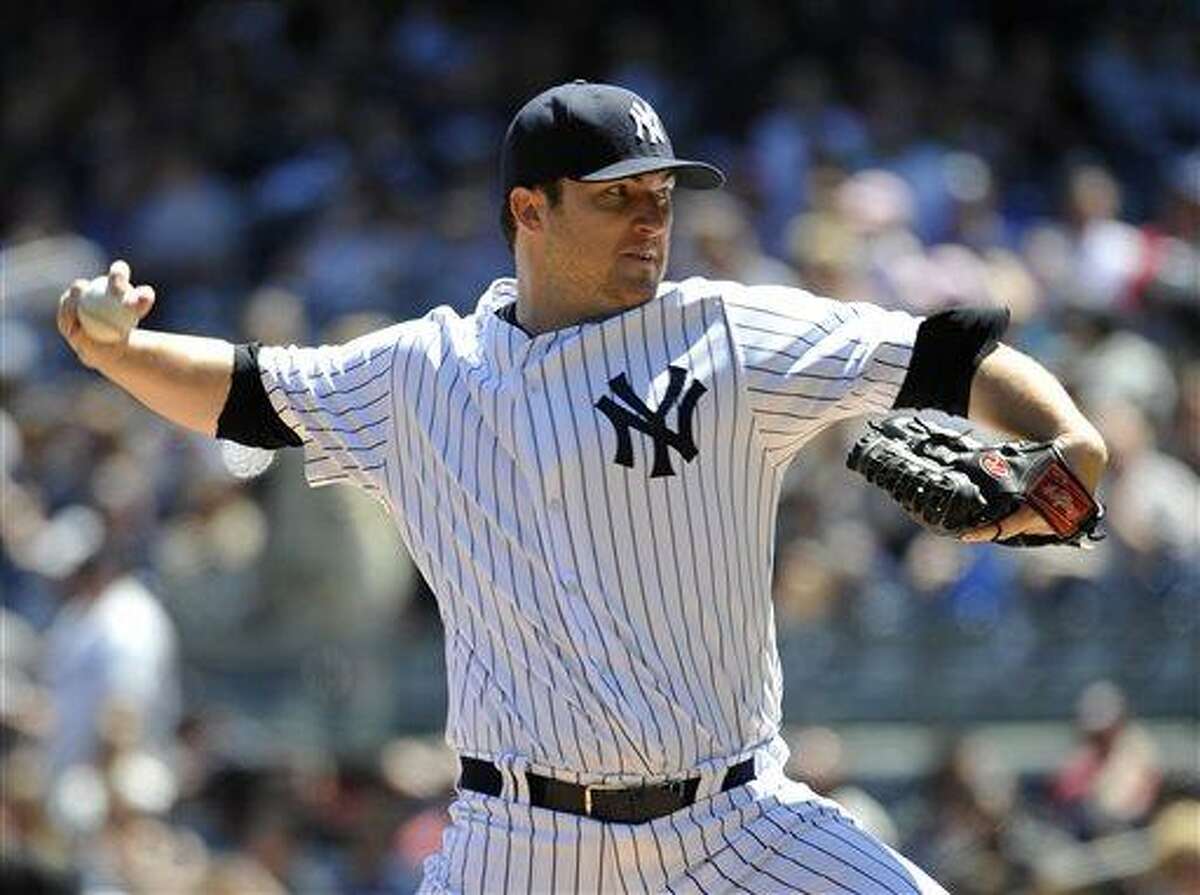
(649, 128)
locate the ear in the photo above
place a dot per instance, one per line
(526, 206)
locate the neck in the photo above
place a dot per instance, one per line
(544, 306)
(542, 317)
(545, 303)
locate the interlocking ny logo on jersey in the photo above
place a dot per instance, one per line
(649, 128)
(636, 415)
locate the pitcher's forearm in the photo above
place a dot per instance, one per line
(184, 379)
(1015, 393)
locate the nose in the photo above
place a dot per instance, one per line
(651, 216)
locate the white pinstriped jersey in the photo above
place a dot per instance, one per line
(595, 506)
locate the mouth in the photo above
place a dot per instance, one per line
(649, 256)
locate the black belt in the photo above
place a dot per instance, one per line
(631, 805)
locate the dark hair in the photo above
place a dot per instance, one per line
(553, 191)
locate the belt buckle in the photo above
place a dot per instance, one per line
(633, 793)
(639, 795)
(587, 795)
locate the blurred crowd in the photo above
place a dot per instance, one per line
(210, 674)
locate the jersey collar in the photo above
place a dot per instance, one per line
(507, 345)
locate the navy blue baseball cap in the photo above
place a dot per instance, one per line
(586, 131)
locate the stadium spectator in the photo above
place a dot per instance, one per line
(111, 653)
(1111, 781)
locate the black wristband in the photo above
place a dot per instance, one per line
(949, 348)
(248, 416)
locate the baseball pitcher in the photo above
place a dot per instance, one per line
(586, 470)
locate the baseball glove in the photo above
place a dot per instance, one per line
(950, 482)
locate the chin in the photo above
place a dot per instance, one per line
(633, 291)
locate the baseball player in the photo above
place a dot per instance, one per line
(586, 470)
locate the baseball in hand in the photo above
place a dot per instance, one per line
(103, 316)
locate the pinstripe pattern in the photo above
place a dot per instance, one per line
(602, 625)
(773, 835)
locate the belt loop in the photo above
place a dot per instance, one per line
(712, 781)
(512, 769)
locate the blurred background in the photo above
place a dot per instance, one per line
(216, 680)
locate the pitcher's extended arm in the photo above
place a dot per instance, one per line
(182, 378)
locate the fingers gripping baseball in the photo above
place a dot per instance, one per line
(115, 298)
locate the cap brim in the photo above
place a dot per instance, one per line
(690, 175)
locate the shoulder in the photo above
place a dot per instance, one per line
(417, 334)
(737, 296)
(769, 308)
(695, 289)
(698, 295)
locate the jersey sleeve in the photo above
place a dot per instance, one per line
(339, 400)
(808, 361)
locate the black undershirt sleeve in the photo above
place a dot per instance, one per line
(949, 348)
(248, 417)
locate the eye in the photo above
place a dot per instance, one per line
(613, 197)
